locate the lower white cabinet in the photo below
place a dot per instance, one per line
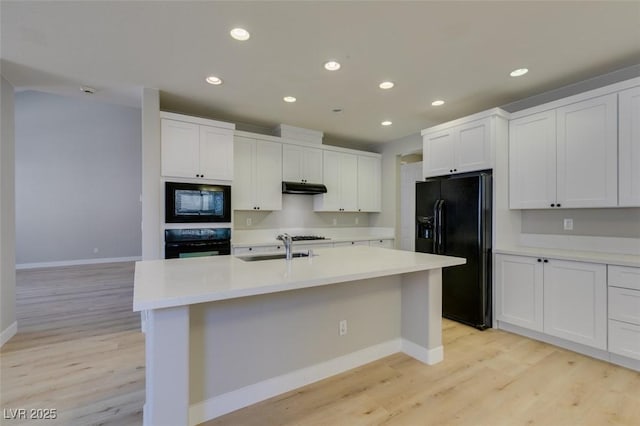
(575, 302)
(519, 292)
(560, 298)
(382, 243)
(624, 311)
(351, 243)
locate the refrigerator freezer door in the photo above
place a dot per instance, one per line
(427, 194)
(465, 290)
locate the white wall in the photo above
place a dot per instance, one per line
(151, 186)
(7, 213)
(409, 174)
(78, 180)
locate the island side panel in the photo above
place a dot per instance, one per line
(421, 327)
(167, 367)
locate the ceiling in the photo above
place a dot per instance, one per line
(461, 52)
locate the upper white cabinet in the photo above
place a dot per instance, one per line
(258, 175)
(369, 184)
(629, 147)
(340, 172)
(460, 146)
(191, 149)
(301, 164)
(565, 156)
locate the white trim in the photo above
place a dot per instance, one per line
(428, 356)
(494, 112)
(601, 91)
(35, 265)
(8, 333)
(197, 120)
(236, 399)
(582, 243)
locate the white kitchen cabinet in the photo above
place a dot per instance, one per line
(192, 150)
(565, 157)
(519, 291)
(624, 311)
(239, 251)
(575, 302)
(301, 164)
(460, 148)
(629, 147)
(383, 243)
(351, 243)
(258, 175)
(340, 176)
(369, 184)
(532, 161)
(587, 153)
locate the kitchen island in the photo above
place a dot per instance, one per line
(223, 333)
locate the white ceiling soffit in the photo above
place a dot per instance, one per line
(461, 52)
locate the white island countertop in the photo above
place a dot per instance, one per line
(178, 282)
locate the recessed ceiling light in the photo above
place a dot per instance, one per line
(386, 85)
(332, 65)
(216, 81)
(240, 34)
(88, 90)
(519, 72)
(289, 99)
(438, 102)
(386, 123)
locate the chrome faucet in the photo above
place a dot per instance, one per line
(287, 240)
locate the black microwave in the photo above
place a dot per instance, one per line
(195, 202)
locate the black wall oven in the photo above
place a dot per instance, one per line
(181, 243)
(195, 202)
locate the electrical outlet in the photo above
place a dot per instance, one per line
(342, 327)
(335, 221)
(248, 221)
(568, 224)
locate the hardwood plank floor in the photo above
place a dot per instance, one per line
(79, 350)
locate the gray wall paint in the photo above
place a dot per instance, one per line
(77, 179)
(151, 185)
(7, 211)
(289, 331)
(297, 212)
(623, 222)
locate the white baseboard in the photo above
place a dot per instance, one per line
(248, 395)
(582, 243)
(8, 333)
(76, 262)
(428, 356)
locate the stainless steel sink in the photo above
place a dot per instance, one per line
(256, 257)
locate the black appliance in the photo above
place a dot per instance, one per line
(453, 217)
(303, 188)
(195, 202)
(307, 238)
(180, 243)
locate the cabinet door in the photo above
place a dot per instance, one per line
(587, 150)
(532, 161)
(216, 153)
(473, 146)
(575, 302)
(180, 146)
(348, 182)
(242, 193)
(381, 243)
(519, 291)
(312, 165)
(268, 175)
(330, 201)
(629, 145)
(437, 149)
(292, 163)
(369, 184)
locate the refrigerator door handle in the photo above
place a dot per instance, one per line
(435, 226)
(439, 229)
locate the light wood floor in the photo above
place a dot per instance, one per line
(79, 350)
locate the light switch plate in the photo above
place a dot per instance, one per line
(568, 224)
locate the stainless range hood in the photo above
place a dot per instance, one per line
(303, 188)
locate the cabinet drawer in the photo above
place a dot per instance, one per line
(624, 305)
(351, 243)
(624, 339)
(257, 249)
(624, 276)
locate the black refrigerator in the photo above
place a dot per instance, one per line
(453, 217)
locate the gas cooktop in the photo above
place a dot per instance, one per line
(307, 237)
